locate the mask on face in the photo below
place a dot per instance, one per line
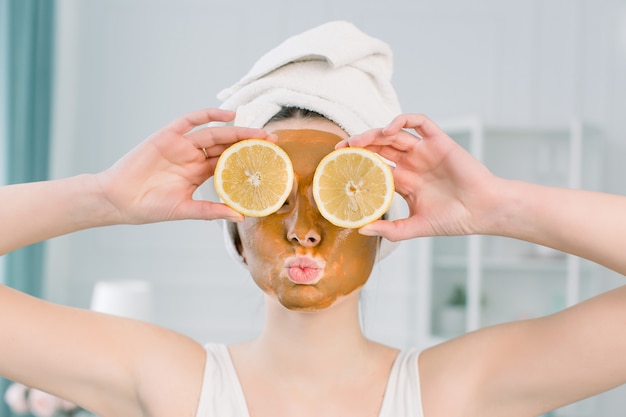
(295, 254)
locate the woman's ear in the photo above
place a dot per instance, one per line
(238, 245)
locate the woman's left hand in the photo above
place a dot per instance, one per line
(448, 191)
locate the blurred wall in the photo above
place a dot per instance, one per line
(126, 68)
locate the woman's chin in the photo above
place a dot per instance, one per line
(309, 297)
(306, 303)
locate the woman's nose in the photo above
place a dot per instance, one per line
(304, 227)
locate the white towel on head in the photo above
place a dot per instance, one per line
(335, 70)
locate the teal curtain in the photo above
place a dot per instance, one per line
(29, 37)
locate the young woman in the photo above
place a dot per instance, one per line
(311, 357)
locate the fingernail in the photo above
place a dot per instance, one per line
(341, 144)
(368, 231)
(236, 219)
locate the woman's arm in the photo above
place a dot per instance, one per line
(449, 192)
(588, 224)
(529, 367)
(111, 365)
(154, 182)
(524, 368)
(36, 211)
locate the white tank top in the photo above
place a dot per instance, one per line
(222, 395)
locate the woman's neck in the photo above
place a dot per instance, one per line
(310, 341)
(301, 357)
(320, 330)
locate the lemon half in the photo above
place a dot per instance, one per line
(353, 187)
(254, 177)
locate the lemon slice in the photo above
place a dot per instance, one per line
(352, 187)
(254, 177)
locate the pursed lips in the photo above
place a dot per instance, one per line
(304, 270)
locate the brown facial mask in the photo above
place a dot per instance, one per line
(297, 255)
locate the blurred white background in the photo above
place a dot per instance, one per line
(126, 68)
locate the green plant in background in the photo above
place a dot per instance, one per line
(458, 297)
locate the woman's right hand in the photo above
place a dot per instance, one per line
(447, 190)
(156, 180)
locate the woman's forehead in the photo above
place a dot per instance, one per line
(307, 138)
(306, 147)
(317, 123)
